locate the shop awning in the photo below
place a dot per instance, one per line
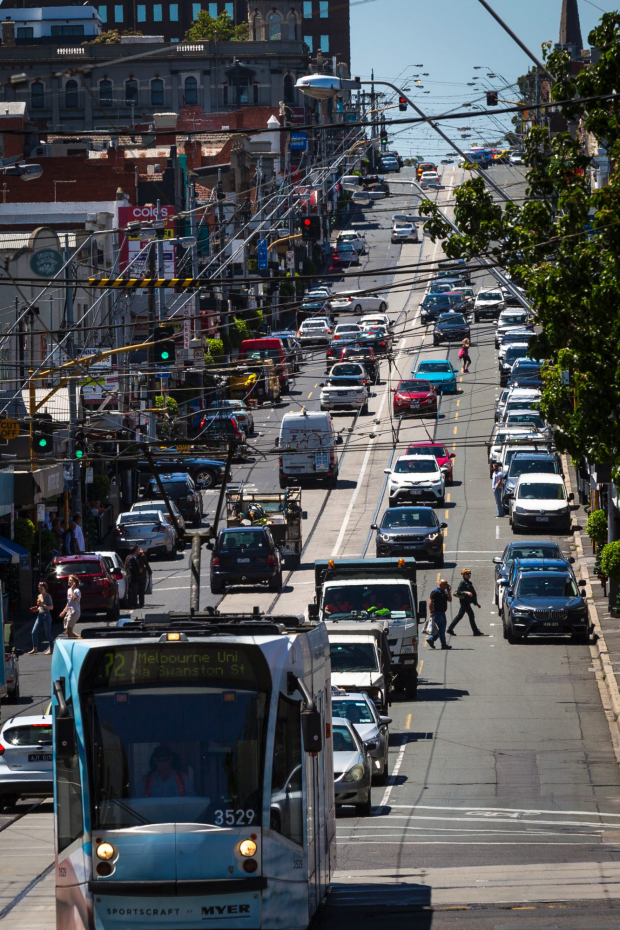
(12, 553)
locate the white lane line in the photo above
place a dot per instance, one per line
(424, 831)
(470, 843)
(518, 824)
(493, 811)
(395, 771)
(497, 531)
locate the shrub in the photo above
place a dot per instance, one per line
(610, 560)
(596, 527)
(100, 488)
(24, 532)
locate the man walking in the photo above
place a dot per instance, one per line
(437, 606)
(498, 487)
(144, 577)
(466, 594)
(79, 534)
(132, 567)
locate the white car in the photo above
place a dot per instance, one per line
(502, 435)
(516, 158)
(114, 565)
(404, 232)
(362, 303)
(160, 505)
(429, 179)
(489, 304)
(354, 238)
(527, 395)
(416, 478)
(540, 502)
(26, 761)
(376, 319)
(510, 337)
(340, 391)
(510, 318)
(347, 333)
(314, 332)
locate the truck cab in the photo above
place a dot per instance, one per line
(360, 659)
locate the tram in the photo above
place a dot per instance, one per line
(193, 774)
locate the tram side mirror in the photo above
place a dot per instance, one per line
(313, 611)
(422, 611)
(312, 730)
(64, 735)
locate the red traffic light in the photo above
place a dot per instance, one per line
(402, 103)
(307, 222)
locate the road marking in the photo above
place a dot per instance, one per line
(438, 577)
(408, 720)
(458, 403)
(461, 378)
(497, 531)
(455, 430)
(395, 771)
(446, 513)
(317, 384)
(494, 811)
(448, 498)
(420, 666)
(456, 415)
(453, 446)
(310, 395)
(445, 533)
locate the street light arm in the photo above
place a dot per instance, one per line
(516, 38)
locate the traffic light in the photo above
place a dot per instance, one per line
(492, 98)
(402, 104)
(81, 446)
(43, 434)
(311, 228)
(384, 137)
(164, 349)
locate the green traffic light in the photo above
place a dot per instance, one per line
(79, 454)
(165, 355)
(42, 443)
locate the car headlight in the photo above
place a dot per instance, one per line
(521, 612)
(432, 536)
(520, 510)
(562, 510)
(356, 773)
(406, 650)
(384, 537)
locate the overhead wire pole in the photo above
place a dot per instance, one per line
(76, 490)
(516, 39)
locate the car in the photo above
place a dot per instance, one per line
(245, 555)
(508, 395)
(404, 232)
(489, 304)
(424, 166)
(344, 392)
(181, 489)
(434, 305)
(351, 369)
(416, 397)
(209, 472)
(238, 408)
(525, 566)
(314, 306)
(410, 531)
(321, 290)
(516, 158)
(221, 427)
(355, 238)
(359, 709)
(439, 287)
(445, 459)
(416, 478)
(292, 346)
(116, 568)
(161, 506)
(510, 449)
(347, 333)
(389, 163)
(502, 436)
(540, 501)
(361, 303)
(545, 604)
(525, 418)
(355, 353)
(519, 404)
(314, 332)
(523, 463)
(378, 338)
(467, 295)
(439, 372)
(526, 368)
(510, 318)
(98, 589)
(523, 549)
(450, 327)
(429, 179)
(511, 337)
(148, 529)
(516, 350)
(26, 759)
(345, 253)
(376, 319)
(352, 768)
(457, 266)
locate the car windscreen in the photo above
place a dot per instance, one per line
(249, 540)
(541, 491)
(366, 599)
(515, 352)
(415, 385)
(173, 488)
(454, 319)
(343, 740)
(491, 295)
(262, 353)
(404, 517)
(353, 711)
(435, 300)
(529, 466)
(530, 417)
(353, 657)
(512, 319)
(435, 367)
(440, 452)
(415, 466)
(534, 551)
(351, 370)
(78, 568)
(536, 585)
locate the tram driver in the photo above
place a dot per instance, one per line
(166, 778)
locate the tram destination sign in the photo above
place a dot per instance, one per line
(222, 663)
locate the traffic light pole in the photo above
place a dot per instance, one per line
(76, 489)
(150, 377)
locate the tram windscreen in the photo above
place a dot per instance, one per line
(176, 734)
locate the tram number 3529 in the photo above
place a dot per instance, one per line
(232, 818)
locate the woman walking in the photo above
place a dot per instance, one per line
(43, 624)
(71, 612)
(464, 355)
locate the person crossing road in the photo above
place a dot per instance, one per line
(466, 593)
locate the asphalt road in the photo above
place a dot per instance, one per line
(503, 808)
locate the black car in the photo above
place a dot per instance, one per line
(452, 266)
(513, 354)
(410, 531)
(245, 555)
(527, 549)
(433, 306)
(378, 339)
(181, 489)
(451, 327)
(207, 471)
(354, 353)
(523, 463)
(545, 604)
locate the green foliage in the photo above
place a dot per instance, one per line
(238, 332)
(596, 527)
(221, 29)
(572, 277)
(214, 350)
(48, 542)
(111, 37)
(610, 560)
(100, 488)
(24, 532)
(169, 403)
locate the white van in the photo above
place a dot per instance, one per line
(307, 445)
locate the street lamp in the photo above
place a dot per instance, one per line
(25, 172)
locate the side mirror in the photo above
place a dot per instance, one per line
(387, 471)
(210, 544)
(497, 560)
(385, 721)
(322, 384)
(277, 442)
(313, 611)
(373, 395)
(374, 526)
(504, 583)
(422, 608)
(18, 652)
(304, 515)
(392, 390)
(444, 526)
(312, 730)
(570, 560)
(371, 745)
(571, 497)
(453, 455)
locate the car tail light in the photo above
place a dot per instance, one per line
(271, 559)
(215, 561)
(119, 531)
(1, 749)
(118, 574)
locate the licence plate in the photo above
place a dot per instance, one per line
(542, 519)
(40, 757)
(551, 623)
(416, 492)
(414, 403)
(243, 560)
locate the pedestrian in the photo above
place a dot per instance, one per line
(466, 594)
(70, 545)
(144, 577)
(464, 355)
(43, 623)
(438, 602)
(59, 533)
(132, 567)
(71, 612)
(79, 534)
(498, 487)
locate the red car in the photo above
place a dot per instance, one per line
(444, 458)
(415, 397)
(99, 591)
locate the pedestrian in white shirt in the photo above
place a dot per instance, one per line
(498, 487)
(71, 613)
(79, 534)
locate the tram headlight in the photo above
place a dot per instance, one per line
(106, 851)
(247, 848)
(356, 773)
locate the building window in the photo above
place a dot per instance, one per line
(191, 91)
(289, 91)
(323, 9)
(131, 92)
(275, 27)
(103, 13)
(225, 94)
(307, 9)
(158, 12)
(309, 43)
(325, 44)
(141, 10)
(71, 95)
(105, 93)
(157, 93)
(230, 9)
(24, 32)
(213, 10)
(256, 93)
(196, 8)
(118, 14)
(174, 12)
(67, 31)
(37, 95)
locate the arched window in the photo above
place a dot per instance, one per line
(131, 92)
(258, 28)
(292, 26)
(105, 93)
(191, 91)
(289, 89)
(37, 95)
(157, 92)
(71, 95)
(275, 27)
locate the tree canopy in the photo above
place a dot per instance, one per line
(222, 29)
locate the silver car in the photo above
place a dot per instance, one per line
(160, 505)
(352, 768)
(359, 710)
(26, 759)
(148, 529)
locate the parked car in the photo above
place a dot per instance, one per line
(508, 319)
(98, 589)
(523, 549)
(238, 408)
(148, 529)
(489, 304)
(415, 397)
(416, 478)
(181, 489)
(116, 568)
(221, 428)
(509, 337)
(527, 463)
(352, 769)
(445, 459)
(245, 555)
(508, 395)
(545, 604)
(439, 372)
(26, 760)
(519, 404)
(410, 531)
(513, 352)
(516, 158)
(314, 332)
(370, 726)
(540, 501)
(161, 506)
(525, 418)
(404, 232)
(292, 345)
(450, 327)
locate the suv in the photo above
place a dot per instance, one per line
(488, 305)
(207, 471)
(181, 489)
(416, 477)
(26, 760)
(236, 408)
(245, 555)
(292, 347)
(433, 305)
(354, 353)
(98, 589)
(314, 332)
(540, 501)
(545, 604)
(410, 531)
(450, 327)
(524, 463)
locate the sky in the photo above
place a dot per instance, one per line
(447, 38)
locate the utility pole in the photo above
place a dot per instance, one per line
(372, 107)
(72, 386)
(150, 377)
(196, 342)
(224, 318)
(161, 299)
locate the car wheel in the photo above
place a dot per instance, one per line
(206, 476)
(512, 637)
(439, 563)
(275, 584)
(112, 615)
(441, 501)
(364, 410)
(382, 307)
(365, 809)
(357, 309)
(217, 587)
(196, 521)
(581, 638)
(504, 630)
(7, 801)
(476, 318)
(283, 484)
(435, 341)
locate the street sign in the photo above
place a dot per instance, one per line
(262, 252)
(290, 261)
(9, 429)
(299, 142)
(183, 449)
(163, 374)
(90, 474)
(40, 513)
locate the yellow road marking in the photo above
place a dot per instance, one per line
(448, 498)
(458, 403)
(455, 430)
(408, 722)
(420, 666)
(445, 515)
(445, 533)
(438, 577)
(461, 378)
(456, 415)
(309, 395)
(453, 446)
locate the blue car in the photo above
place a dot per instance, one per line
(527, 549)
(545, 604)
(439, 372)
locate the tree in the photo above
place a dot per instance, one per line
(563, 245)
(222, 29)
(111, 37)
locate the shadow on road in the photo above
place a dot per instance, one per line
(357, 906)
(441, 694)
